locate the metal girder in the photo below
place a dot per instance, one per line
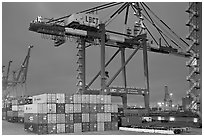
(108, 84)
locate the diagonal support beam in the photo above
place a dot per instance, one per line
(108, 84)
(100, 71)
(124, 69)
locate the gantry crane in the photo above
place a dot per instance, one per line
(88, 30)
(19, 76)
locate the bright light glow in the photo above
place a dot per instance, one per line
(162, 103)
(173, 105)
(171, 94)
(159, 118)
(172, 119)
(195, 120)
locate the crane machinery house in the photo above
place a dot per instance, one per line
(88, 20)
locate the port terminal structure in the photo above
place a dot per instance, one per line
(86, 28)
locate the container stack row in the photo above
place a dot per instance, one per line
(60, 113)
(14, 110)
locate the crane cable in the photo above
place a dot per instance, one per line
(159, 30)
(165, 24)
(97, 7)
(172, 36)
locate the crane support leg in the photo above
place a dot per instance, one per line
(146, 74)
(124, 97)
(103, 79)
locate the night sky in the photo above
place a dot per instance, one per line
(54, 69)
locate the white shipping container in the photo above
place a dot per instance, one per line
(51, 108)
(85, 98)
(98, 99)
(107, 108)
(114, 108)
(21, 108)
(107, 99)
(51, 98)
(77, 127)
(100, 126)
(40, 99)
(60, 128)
(14, 108)
(107, 117)
(69, 108)
(77, 98)
(20, 114)
(100, 117)
(52, 118)
(60, 98)
(35, 108)
(77, 108)
(85, 117)
(93, 99)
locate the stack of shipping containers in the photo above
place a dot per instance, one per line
(60, 113)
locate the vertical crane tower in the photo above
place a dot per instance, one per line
(195, 63)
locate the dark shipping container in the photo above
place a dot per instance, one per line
(36, 128)
(93, 108)
(100, 108)
(52, 128)
(69, 128)
(93, 117)
(85, 108)
(69, 118)
(85, 127)
(107, 126)
(93, 126)
(77, 117)
(60, 107)
(114, 117)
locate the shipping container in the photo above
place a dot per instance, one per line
(36, 108)
(51, 108)
(100, 108)
(77, 98)
(114, 126)
(93, 126)
(107, 108)
(107, 117)
(114, 108)
(93, 99)
(31, 118)
(51, 98)
(40, 98)
(21, 101)
(85, 127)
(60, 118)
(60, 107)
(93, 117)
(77, 117)
(100, 117)
(85, 98)
(20, 120)
(69, 108)
(114, 117)
(85, 108)
(14, 102)
(69, 99)
(100, 126)
(60, 98)
(14, 107)
(12, 113)
(85, 117)
(52, 128)
(69, 118)
(107, 126)
(93, 108)
(42, 119)
(36, 128)
(131, 120)
(107, 99)
(21, 108)
(20, 114)
(60, 128)
(77, 108)
(77, 127)
(100, 99)
(69, 128)
(52, 118)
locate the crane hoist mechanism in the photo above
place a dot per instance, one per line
(89, 30)
(18, 77)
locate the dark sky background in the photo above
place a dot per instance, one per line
(54, 69)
